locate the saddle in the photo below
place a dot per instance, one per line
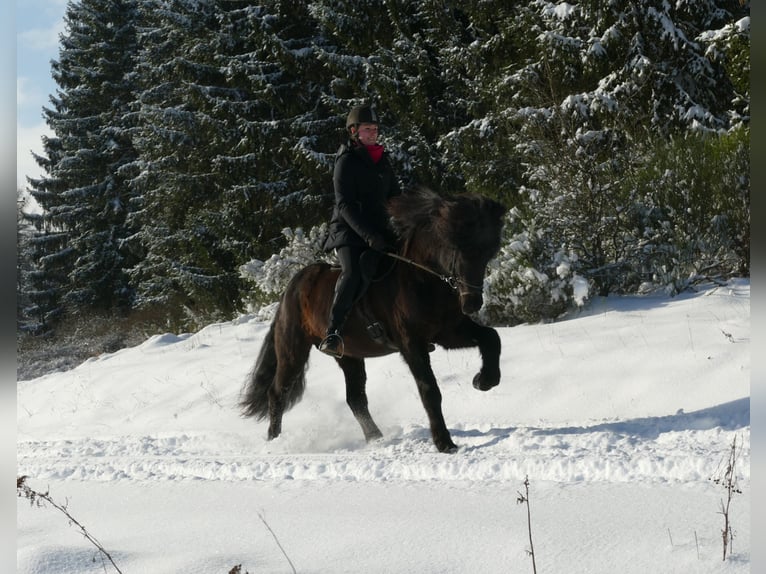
(370, 263)
(374, 329)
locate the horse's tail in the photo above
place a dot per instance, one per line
(255, 396)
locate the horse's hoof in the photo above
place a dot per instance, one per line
(482, 383)
(374, 437)
(447, 448)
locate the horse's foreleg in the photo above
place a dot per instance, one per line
(356, 396)
(488, 342)
(431, 396)
(468, 333)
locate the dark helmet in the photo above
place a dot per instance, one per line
(361, 115)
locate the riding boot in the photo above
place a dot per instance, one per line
(346, 289)
(332, 344)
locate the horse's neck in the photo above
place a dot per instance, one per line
(424, 250)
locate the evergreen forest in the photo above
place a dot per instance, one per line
(193, 147)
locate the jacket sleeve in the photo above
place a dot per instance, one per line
(348, 204)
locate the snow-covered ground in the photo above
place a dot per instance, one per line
(620, 417)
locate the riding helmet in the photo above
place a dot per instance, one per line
(361, 115)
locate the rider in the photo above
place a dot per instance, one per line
(364, 181)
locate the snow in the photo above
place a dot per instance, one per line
(561, 10)
(620, 417)
(741, 26)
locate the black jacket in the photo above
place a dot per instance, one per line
(362, 190)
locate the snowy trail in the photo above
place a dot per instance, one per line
(167, 409)
(662, 449)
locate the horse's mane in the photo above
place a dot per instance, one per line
(414, 210)
(455, 220)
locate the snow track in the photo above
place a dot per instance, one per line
(167, 409)
(673, 449)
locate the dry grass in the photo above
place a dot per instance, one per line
(77, 339)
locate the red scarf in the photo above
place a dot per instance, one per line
(375, 151)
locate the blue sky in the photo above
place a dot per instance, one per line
(38, 25)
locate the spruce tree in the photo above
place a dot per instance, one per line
(599, 94)
(481, 47)
(667, 91)
(230, 132)
(284, 127)
(179, 270)
(78, 244)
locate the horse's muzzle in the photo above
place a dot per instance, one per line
(471, 301)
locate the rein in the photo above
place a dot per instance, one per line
(450, 280)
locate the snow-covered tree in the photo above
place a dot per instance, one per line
(284, 128)
(181, 267)
(232, 112)
(230, 132)
(26, 314)
(605, 85)
(78, 245)
(270, 277)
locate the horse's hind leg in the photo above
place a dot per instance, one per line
(431, 397)
(276, 410)
(289, 383)
(356, 396)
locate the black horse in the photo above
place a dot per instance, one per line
(422, 295)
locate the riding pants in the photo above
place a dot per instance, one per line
(357, 266)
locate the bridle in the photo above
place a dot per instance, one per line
(451, 280)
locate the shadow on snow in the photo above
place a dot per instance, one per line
(729, 416)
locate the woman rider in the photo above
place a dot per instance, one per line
(364, 182)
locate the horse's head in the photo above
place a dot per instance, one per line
(471, 227)
(459, 234)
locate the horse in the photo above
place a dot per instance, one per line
(424, 296)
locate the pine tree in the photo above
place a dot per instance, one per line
(596, 84)
(26, 320)
(479, 50)
(78, 245)
(415, 78)
(179, 264)
(190, 133)
(284, 127)
(228, 128)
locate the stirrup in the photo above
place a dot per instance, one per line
(332, 345)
